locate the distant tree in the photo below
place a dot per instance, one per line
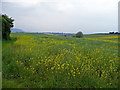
(116, 32)
(111, 32)
(79, 35)
(7, 23)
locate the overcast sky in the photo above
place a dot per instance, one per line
(87, 16)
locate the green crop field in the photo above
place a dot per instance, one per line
(47, 61)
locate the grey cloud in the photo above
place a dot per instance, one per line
(63, 16)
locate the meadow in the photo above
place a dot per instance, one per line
(47, 61)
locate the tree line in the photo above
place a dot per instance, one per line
(114, 33)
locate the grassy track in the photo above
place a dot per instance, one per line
(39, 61)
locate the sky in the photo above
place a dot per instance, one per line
(88, 16)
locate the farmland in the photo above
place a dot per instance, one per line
(48, 61)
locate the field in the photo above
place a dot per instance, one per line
(47, 61)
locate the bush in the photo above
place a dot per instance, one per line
(79, 35)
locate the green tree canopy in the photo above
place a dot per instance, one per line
(7, 23)
(79, 35)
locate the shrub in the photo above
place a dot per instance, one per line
(79, 35)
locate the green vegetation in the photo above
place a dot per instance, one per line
(47, 61)
(7, 23)
(79, 35)
(0, 64)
